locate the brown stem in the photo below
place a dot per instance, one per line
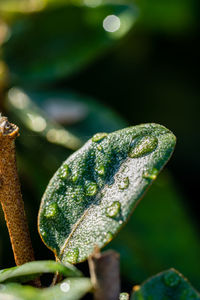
(104, 272)
(10, 195)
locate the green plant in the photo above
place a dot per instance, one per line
(93, 193)
(86, 203)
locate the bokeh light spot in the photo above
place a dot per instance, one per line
(111, 23)
(92, 3)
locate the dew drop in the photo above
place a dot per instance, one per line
(72, 256)
(100, 170)
(141, 146)
(91, 189)
(99, 136)
(151, 174)
(113, 210)
(65, 287)
(65, 172)
(171, 279)
(51, 210)
(42, 232)
(99, 147)
(77, 198)
(108, 237)
(75, 177)
(124, 184)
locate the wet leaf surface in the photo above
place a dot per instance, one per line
(87, 207)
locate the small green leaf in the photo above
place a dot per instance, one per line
(31, 270)
(168, 285)
(36, 120)
(94, 207)
(70, 289)
(65, 118)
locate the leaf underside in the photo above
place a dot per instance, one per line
(31, 270)
(69, 289)
(169, 284)
(95, 190)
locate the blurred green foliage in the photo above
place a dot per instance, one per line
(57, 53)
(168, 285)
(63, 40)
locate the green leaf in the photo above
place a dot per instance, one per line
(70, 289)
(69, 39)
(80, 116)
(36, 120)
(32, 269)
(146, 248)
(93, 193)
(169, 284)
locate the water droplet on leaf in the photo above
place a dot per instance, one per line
(124, 184)
(42, 232)
(113, 210)
(171, 279)
(51, 210)
(75, 177)
(151, 174)
(72, 256)
(109, 237)
(100, 170)
(99, 147)
(91, 189)
(65, 172)
(99, 136)
(65, 287)
(141, 146)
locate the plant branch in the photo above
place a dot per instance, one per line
(10, 195)
(104, 272)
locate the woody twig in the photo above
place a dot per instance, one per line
(10, 195)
